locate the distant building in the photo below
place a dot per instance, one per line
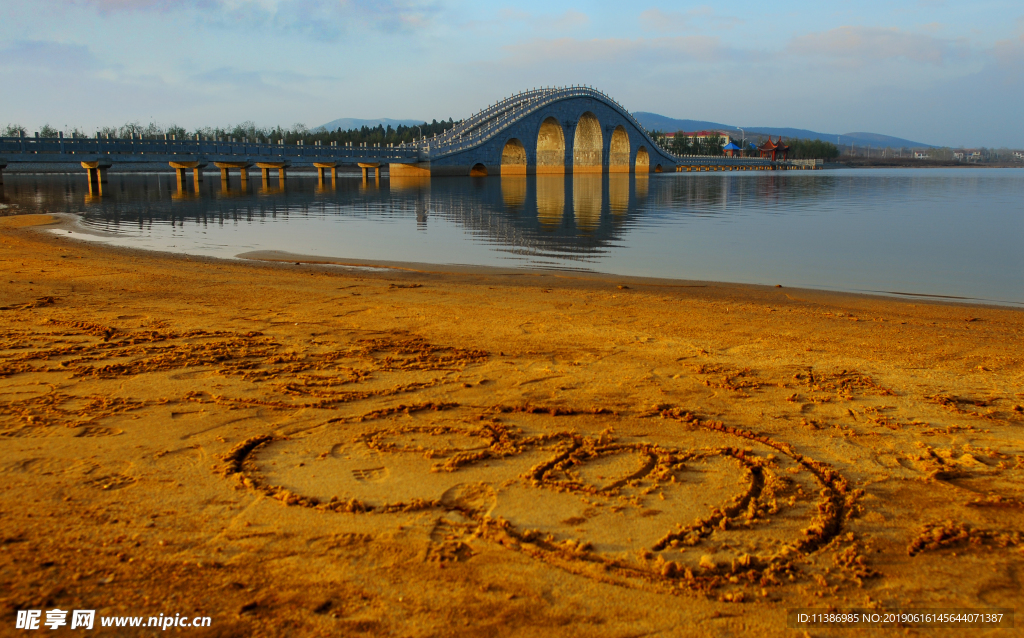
(1018, 156)
(699, 135)
(703, 135)
(730, 149)
(967, 155)
(921, 155)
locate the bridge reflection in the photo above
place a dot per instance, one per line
(575, 217)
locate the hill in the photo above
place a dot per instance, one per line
(653, 121)
(348, 123)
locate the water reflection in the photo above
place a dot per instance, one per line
(868, 230)
(550, 200)
(618, 193)
(578, 217)
(586, 201)
(513, 191)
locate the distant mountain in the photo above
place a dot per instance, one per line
(653, 121)
(347, 123)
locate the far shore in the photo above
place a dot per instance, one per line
(302, 449)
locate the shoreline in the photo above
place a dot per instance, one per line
(310, 449)
(70, 222)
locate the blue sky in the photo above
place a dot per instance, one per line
(935, 71)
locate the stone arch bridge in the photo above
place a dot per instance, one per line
(555, 131)
(564, 130)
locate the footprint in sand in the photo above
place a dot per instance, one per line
(371, 475)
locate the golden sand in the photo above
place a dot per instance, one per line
(301, 450)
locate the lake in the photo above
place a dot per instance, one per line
(953, 234)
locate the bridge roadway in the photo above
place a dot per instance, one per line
(562, 130)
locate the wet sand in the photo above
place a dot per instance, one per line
(308, 450)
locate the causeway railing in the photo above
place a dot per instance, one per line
(13, 147)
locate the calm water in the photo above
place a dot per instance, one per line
(945, 232)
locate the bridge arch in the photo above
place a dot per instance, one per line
(588, 145)
(618, 152)
(550, 147)
(513, 158)
(643, 160)
(478, 170)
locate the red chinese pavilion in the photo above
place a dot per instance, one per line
(772, 150)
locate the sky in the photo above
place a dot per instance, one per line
(934, 71)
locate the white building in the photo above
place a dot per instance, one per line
(700, 135)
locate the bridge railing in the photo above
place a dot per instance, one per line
(13, 147)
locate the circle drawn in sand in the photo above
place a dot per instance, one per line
(697, 506)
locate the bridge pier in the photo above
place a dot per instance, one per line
(97, 171)
(377, 168)
(181, 171)
(3, 165)
(409, 170)
(322, 167)
(243, 169)
(266, 167)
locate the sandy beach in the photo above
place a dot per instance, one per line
(305, 449)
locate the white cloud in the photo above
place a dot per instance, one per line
(692, 20)
(320, 19)
(49, 58)
(860, 44)
(621, 51)
(569, 20)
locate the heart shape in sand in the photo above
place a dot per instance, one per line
(696, 502)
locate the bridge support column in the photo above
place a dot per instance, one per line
(366, 171)
(242, 166)
(266, 167)
(377, 169)
(181, 172)
(321, 171)
(2, 167)
(96, 170)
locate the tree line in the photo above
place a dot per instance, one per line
(250, 131)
